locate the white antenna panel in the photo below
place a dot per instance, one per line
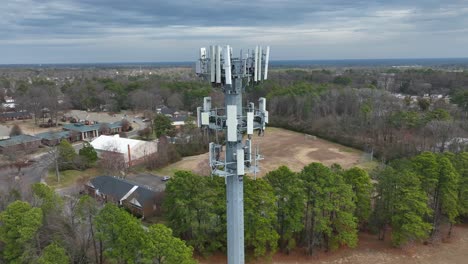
(240, 162)
(218, 64)
(250, 119)
(227, 65)
(210, 148)
(259, 67)
(203, 53)
(206, 104)
(262, 104)
(231, 123)
(205, 118)
(212, 63)
(256, 64)
(199, 116)
(248, 144)
(198, 68)
(267, 60)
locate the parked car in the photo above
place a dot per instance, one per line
(165, 178)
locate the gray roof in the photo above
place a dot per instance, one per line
(53, 135)
(115, 125)
(179, 118)
(165, 110)
(79, 127)
(15, 114)
(16, 140)
(118, 187)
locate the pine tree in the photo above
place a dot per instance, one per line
(19, 224)
(166, 249)
(409, 210)
(260, 217)
(53, 254)
(290, 205)
(362, 187)
(329, 220)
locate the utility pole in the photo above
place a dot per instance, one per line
(232, 75)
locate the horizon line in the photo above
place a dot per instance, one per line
(188, 61)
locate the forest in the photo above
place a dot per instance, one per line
(45, 228)
(390, 113)
(320, 208)
(323, 208)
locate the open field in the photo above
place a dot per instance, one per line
(284, 147)
(371, 251)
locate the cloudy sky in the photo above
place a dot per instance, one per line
(87, 31)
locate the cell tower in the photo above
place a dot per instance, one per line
(232, 75)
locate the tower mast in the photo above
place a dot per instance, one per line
(232, 75)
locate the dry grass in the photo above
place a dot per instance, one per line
(284, 147)
(70, 177)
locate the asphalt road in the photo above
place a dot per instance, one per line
(25, 176)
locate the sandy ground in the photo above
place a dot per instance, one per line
(283, 147)
(371, 251)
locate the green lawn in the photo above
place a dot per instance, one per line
(166, 171)
(70, 177)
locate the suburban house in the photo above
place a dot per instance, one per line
(140, 200)
(8, 116)
(131, 150)
(179, 120)
(164, 110)
(54, 138)
(93, 130)
(9, 103)
(21, 142)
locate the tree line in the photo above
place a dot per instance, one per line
(323, 208)
(45, 228)
(370, 119)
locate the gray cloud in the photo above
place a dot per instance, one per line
(41, 31)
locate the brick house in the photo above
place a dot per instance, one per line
(139, 200)
(21, 142)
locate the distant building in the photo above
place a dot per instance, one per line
(92, 131)
(8, 116)
(9, 104)
(84, 131)
(165, 111)
(140, 200)
(179, 120)
(54, 138)
(131, 150)
(21, 142)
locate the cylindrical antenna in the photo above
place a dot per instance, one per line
(218, 64)
(267, 60)
(227, 65)
(259, 67)
(212, 63)
(256, 64)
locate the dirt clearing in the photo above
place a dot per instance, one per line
(284, 147)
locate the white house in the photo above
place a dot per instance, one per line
(132, 151)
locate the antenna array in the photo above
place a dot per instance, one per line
(232, 75)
